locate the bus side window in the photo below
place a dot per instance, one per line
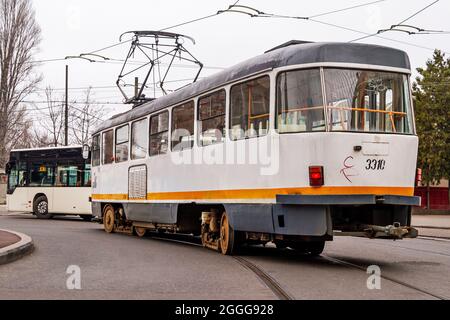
(41, 175)
(250, 109)
(87, 176)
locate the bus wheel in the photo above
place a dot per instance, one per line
(40, 208)
(311, 248)
(109, 219)
(227, 240)
(140, 232)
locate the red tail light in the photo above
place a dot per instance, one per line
(418, 177)
(316, 178)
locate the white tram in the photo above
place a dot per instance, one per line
(304, 143)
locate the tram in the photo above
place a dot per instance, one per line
(304, 143)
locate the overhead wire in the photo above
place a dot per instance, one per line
(400, 23)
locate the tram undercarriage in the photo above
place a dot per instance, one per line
(302, 227)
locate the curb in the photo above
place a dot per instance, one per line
(18, 250)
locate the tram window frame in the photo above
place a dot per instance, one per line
(159, 133)
(278, 106)
(232, 127)
(212, 116)
(145, 145)
(120, 144)
(176, 146)
(111, 147)
(96, 150)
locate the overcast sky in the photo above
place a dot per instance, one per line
(78, 26)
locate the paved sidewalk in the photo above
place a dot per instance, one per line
(431, 221)
(432, 226)
(7, 239)
(14, 245)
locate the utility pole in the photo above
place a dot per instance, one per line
(66, 111)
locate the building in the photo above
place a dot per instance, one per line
(439, 196)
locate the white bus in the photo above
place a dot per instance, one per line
(50, 181)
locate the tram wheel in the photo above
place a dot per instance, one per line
(228, 237)
(109, 219)
(140, 232)
(311, 248)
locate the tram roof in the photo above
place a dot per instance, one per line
(296, 54)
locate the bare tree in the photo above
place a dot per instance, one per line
(84, 119)
(53, 124)
(20, 36)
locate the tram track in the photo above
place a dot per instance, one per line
(270, 282)
(273, 285)
(391, 279)
(263, 276)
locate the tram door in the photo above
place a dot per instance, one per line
(137, 183)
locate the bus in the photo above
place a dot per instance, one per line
(49, 182)
(302, 144)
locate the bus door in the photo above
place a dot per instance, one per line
(17, 193)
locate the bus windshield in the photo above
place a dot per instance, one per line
(368, 101)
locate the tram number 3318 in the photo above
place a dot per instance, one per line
(375, 165)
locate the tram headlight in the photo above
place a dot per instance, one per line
(316, 178)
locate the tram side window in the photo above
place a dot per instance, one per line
(139, 147)
(122, 148)
(96, 151)
(159, 134)
(250, 109)
(183, 127)
(300, 102)
(211, 116)
(108, 147)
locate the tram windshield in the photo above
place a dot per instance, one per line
(368, 101)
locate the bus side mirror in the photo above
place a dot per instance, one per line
(86, 152)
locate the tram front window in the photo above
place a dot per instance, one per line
(368, 101)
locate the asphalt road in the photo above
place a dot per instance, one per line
(125, 267)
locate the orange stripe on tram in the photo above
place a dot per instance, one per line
(261, 193)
